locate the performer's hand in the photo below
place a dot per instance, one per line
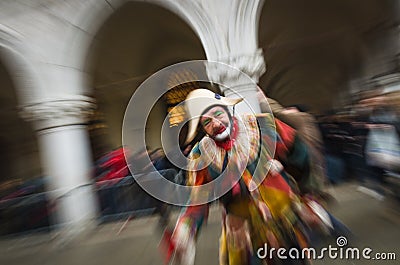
(275, 166)
(184, 245)
(180, 237)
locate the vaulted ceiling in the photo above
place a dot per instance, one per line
(312, 48)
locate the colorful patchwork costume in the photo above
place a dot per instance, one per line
(262, 206)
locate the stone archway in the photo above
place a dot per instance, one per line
(57, 101)
(227, 30)
(57, 117)
(21, 170)
(18, 82)
(137, 40)
(19, 158)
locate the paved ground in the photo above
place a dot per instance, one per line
(375, 224)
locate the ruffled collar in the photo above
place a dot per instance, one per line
(243, 147)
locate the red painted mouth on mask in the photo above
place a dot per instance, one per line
(219, 130)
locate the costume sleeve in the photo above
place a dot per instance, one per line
(276, 108)
(192, 217)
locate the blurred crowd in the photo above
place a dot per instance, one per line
(362, 143)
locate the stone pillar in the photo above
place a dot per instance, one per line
(228, 30)
(66, 158)
(246, 85)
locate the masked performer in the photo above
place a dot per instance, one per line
(261, 205)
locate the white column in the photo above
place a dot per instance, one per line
(253, 66)
(66, 158)
(228, 30)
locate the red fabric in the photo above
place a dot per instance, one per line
(286, 135)
(116, 166)
(202, 177)
(167, 246)
(116, 160)
(236, 190)
(278, 182)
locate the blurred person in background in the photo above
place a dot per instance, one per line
(161, 164)
(306, 162)
(334, 135)
(112, 166)
(110, 170)
(355, 147)
(172, 173)
(383, 145)
(272, 213)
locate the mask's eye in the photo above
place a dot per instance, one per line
(218, 113)
(206, 121)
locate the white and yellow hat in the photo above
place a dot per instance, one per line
(200, 100)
